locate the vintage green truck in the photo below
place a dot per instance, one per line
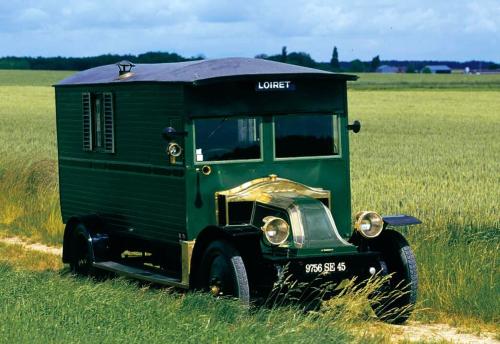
(220, 175)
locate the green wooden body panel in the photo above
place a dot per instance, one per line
(135, 189)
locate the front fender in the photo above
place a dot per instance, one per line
(400, 220)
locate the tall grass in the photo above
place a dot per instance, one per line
(39, 302)
(29, 204)
(52, 307)
(436, 155)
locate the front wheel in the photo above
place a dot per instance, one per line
(223, 273)
(396, 299)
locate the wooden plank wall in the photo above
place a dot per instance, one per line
(135, 189)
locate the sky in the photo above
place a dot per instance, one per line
(404, 30)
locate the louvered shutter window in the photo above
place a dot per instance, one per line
(109, 130)
(87, 121)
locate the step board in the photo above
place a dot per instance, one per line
(141, 274)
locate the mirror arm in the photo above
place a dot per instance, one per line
(355, 126)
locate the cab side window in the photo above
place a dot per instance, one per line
(223, 139)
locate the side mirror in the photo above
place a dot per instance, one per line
(355, 126)
(170, 133)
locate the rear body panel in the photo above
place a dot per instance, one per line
(135, 190)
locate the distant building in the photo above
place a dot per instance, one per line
(485, 71)
(387, 69)
(439, 69)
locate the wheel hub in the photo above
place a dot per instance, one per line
(215, 290)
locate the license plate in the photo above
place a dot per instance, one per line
(325, 268)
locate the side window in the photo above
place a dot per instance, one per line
(307, 135)
(98, 122)
(223, 139)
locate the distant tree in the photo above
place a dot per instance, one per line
(494, 66)
(375, 63)
(334, 62)
(14, 63)
(198, 57)
(159, 57)
(81, 63)
(301, 59)
(356, 66)
(283, 54)
(296, 58)
(426, 70)
(410, 68)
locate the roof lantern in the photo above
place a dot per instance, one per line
(125, 68)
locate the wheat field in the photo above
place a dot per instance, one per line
(428, 151)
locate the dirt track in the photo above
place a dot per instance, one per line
(413, 331)
(33, 247)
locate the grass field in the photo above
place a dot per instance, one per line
(434, 154)
(31, 78)
(400, 81)
(42, 303)
(428, 147)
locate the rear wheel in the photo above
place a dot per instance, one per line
(223, 273)
(395, 300)
(81, 255)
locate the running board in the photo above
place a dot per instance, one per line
(141, 274)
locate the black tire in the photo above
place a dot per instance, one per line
(395, 301)
(81, 254)
(223, 273)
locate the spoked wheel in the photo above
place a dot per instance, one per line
(82, 256)
(395, 300)
(223, 273)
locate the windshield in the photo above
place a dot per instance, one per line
(306, 135)
(220, 139)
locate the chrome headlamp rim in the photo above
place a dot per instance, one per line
(174, 149)
(278, 225)
(375, 222)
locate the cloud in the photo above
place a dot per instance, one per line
(483, 19)
(222, 11)
(394, 29)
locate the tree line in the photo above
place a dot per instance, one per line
(358, 66)
(296, 58)
(82, 63)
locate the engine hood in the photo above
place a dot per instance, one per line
(310, 218)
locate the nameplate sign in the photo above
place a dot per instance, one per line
(269, 86)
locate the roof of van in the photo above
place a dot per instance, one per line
(198, 71)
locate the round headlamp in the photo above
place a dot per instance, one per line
(369, 224)
(276, 229)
